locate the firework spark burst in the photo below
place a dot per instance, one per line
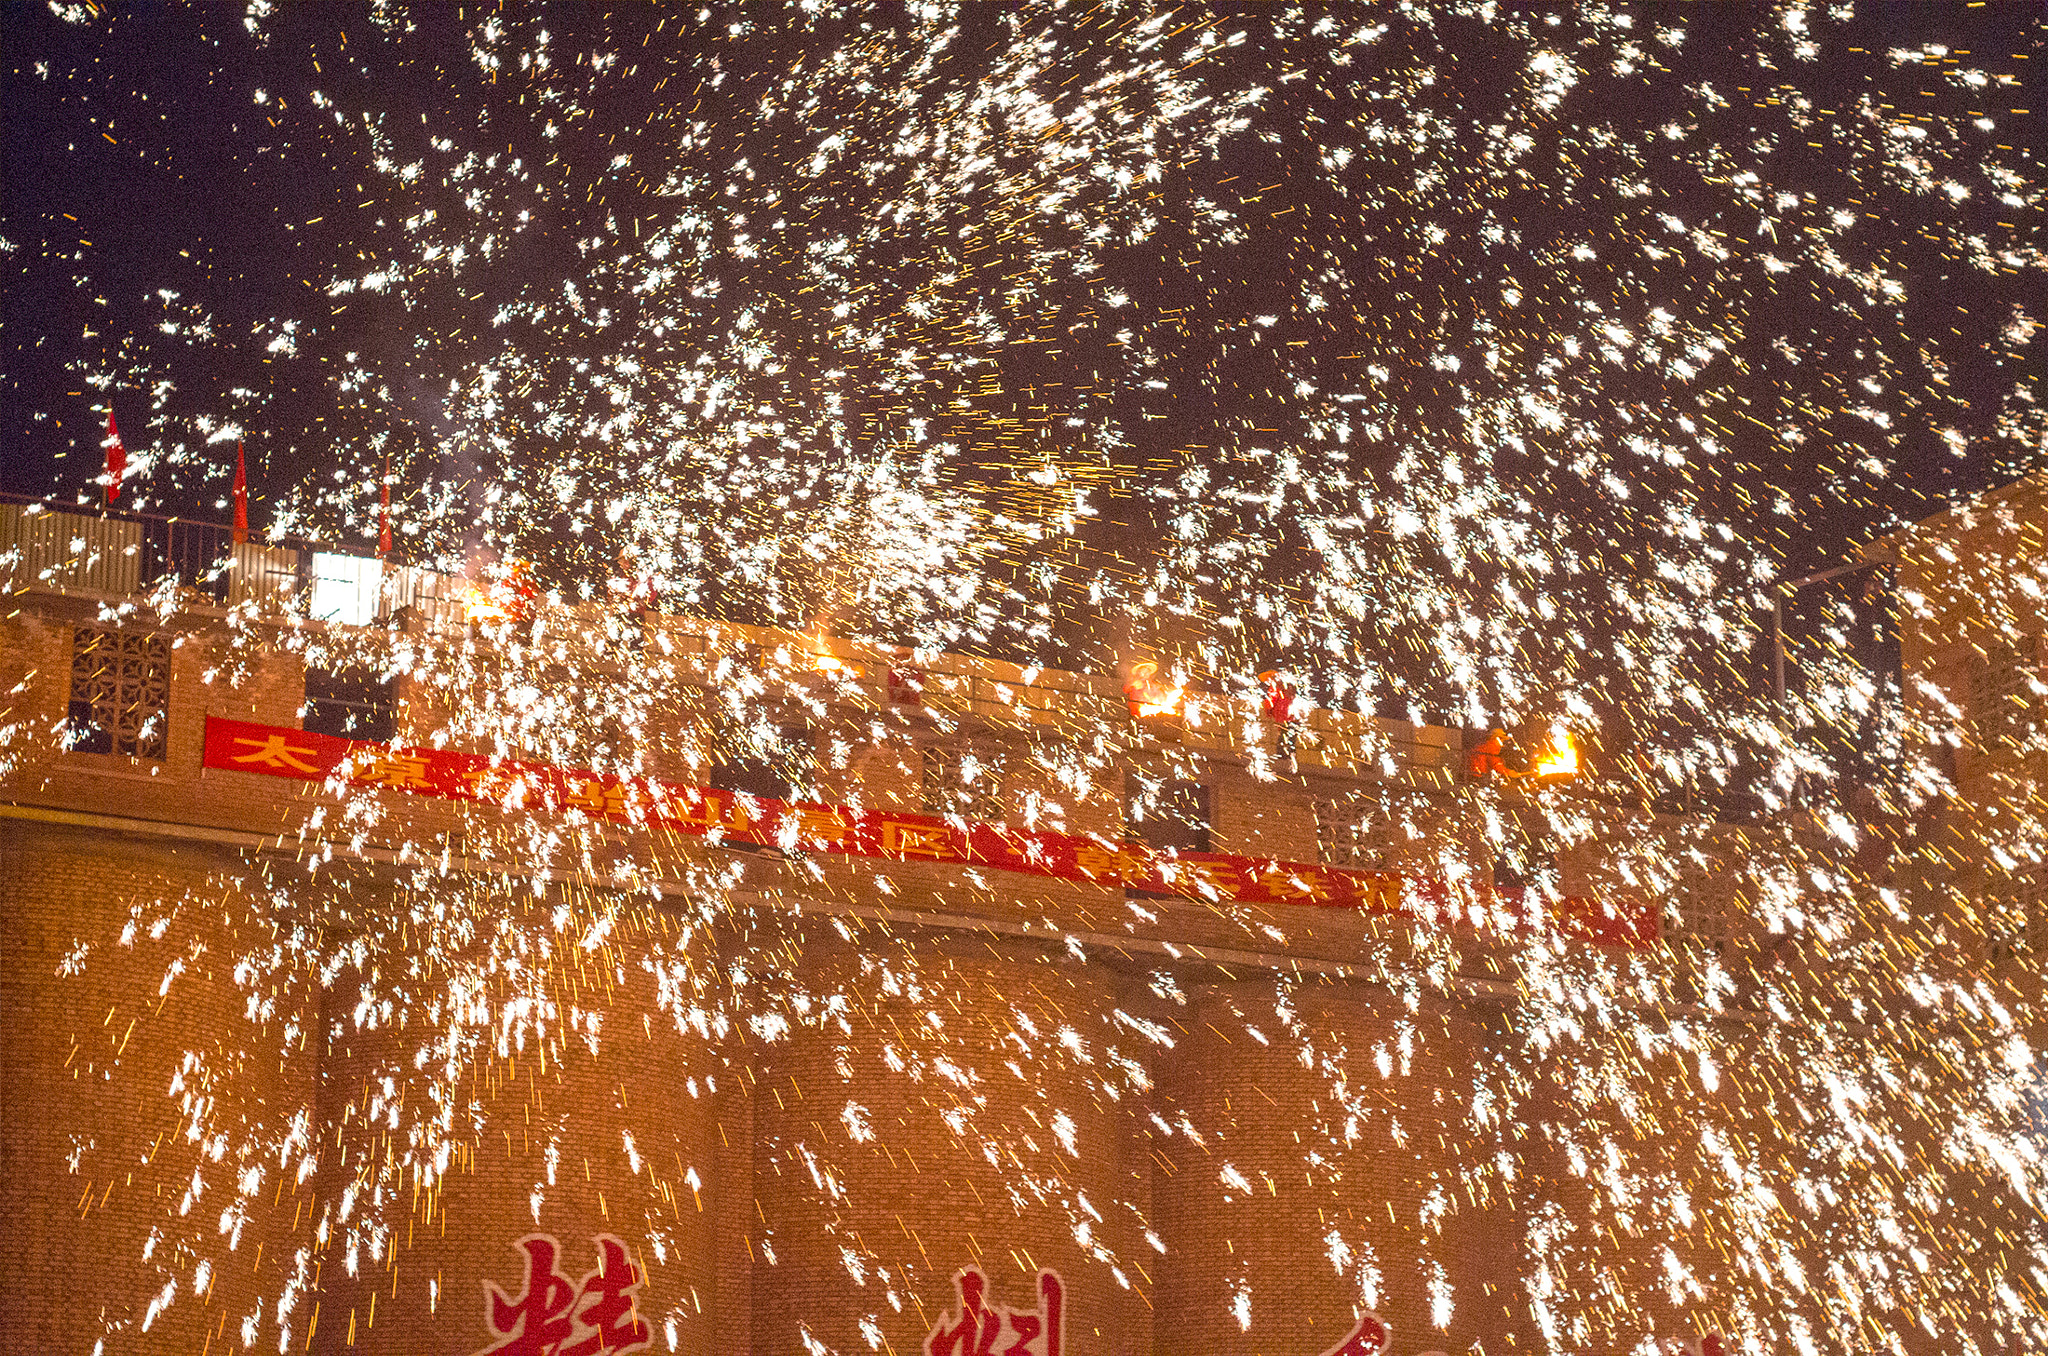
(1481, 370)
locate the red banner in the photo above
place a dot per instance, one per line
(810, 826)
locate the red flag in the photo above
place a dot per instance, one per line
(241, 496)
(384, 512)
(117, 459)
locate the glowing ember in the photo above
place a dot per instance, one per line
(484, 606)
(1560, 761)
(1149, 695)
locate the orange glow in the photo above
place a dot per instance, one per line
(478, 605)
(506, 593)
(1150, 697)
(1560, 761)
(816, 655)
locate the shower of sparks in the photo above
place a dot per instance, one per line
(1477, 367)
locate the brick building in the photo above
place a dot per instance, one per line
(1969, 586)
(295, 1061)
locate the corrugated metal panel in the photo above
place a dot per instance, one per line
(435, 598)
(266, 575)
(51, 549)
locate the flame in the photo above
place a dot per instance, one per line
(481, 605)
(816, 655)
(1560, 760)
(504, 594)
(1161, 701)
(1150, 697)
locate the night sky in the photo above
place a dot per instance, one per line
(721, 280)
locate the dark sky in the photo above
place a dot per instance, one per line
(139, 163)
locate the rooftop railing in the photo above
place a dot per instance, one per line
(72, 550)
(69, 549)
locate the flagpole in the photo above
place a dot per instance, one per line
(384, 511)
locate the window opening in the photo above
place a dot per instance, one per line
(775, 765)
(353, 703)
(1168, 813)
(120, 693)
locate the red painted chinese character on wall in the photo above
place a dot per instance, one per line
(553, 1318)
(605, 1304)
(1372, 1337)
(536, 1323)
(984, 1329)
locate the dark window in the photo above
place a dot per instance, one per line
(778, 767)
(351, 703)
(1841, 661)
(1165, 812)
(120, 693)
(754, 775)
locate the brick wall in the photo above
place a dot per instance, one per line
(1294, 1177)
(845, 1136)
(892, 1150)
(126, 1084)
(535, 1120)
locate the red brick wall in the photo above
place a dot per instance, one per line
(148, 1083)
(855, 1152)
(537, 1121)
(1279, 1146)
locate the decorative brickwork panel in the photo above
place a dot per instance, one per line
(1346, 832)
(2006, 690)
(2015, 914)
(962, 782)
(120, 692)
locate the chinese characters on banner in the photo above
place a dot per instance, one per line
(703, 811)
(596, 1316)
(982, 1328)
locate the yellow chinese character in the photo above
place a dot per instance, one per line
(1285, 882)
(1377, 891)
(498, 785)
(399, 771)
(1206, 879)
(1101, 864)
(918, 840)
(594, 797)
(707, 811)
(272, 751)
(821, 824)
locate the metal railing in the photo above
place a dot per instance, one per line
(70, 548)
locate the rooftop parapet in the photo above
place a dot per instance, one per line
(124, 556)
